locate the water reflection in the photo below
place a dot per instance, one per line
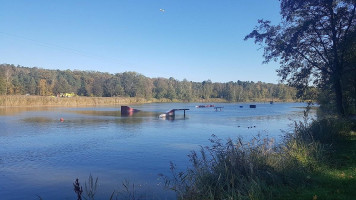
(4, 111)
(41, 155)
(38, 120)
(98, 112)
(131, 117)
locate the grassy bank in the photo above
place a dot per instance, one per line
(315, 161)
(334, 179)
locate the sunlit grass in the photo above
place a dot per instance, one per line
(315, 161)
(23, 100)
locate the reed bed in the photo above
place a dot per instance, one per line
(28, 100)
(22, 100)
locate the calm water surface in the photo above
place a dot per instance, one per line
(39, 155)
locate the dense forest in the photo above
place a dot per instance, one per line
(18, 80)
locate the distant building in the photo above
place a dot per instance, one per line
(66, 94)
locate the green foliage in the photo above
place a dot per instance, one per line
(2, 86)
(15, 80)
(315, 43)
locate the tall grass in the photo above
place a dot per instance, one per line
(258, 169)
(231, 170)
(126, 191)
(21, 100)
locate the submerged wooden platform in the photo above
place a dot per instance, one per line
(173, 111)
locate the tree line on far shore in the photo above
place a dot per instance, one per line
(19, 80)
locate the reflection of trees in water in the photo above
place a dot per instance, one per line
(129, 120)
(16, 110)
(97, 113)
(142, 114)
(41, 120)
(132, 118)
(89, 121)
(295, 115)
(116, 113)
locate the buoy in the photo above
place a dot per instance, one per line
(61, 119)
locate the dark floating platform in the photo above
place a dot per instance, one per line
(127, 111)
(252, 106)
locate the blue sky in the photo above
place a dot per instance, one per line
(193, 39)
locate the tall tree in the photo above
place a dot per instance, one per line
(83, 91)
(112, 87)
(61, 86)
(207, 89)
(8, 74)
(31, 87)
(310, 43)
(2, 85)
(42, 87)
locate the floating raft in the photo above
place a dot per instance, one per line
(252, 106)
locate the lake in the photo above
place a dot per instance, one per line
(40, 155)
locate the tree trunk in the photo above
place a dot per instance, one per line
(339, 97)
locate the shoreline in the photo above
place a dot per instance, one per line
(80, 101)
